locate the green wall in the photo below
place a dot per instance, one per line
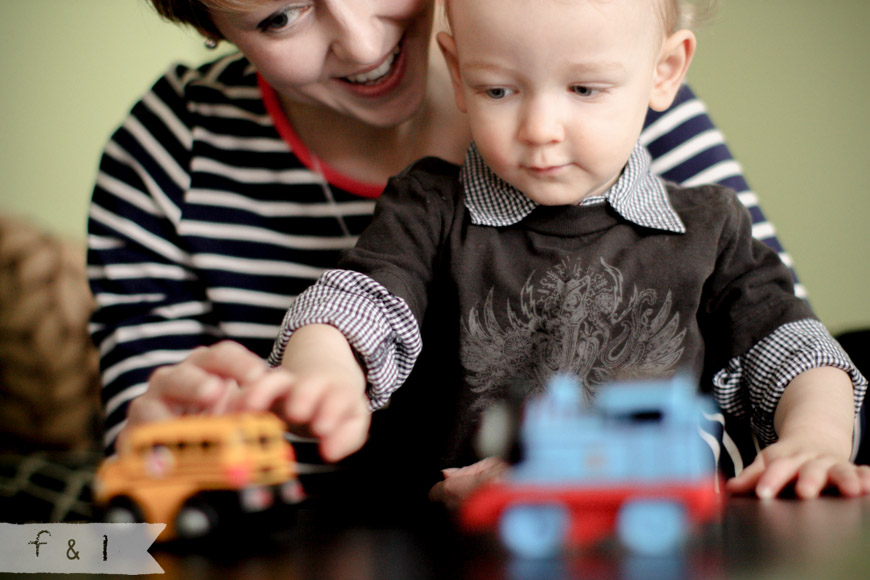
(785, 81)
(70, 72)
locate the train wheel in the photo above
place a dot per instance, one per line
(652, 526)
(534, 530)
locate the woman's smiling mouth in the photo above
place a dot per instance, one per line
(382, 80)
(378, 73)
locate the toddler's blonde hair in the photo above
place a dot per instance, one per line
(675, 14)
(686, 14)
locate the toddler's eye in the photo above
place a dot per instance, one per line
(584, 91)
(497, 93)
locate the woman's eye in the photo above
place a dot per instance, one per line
(584, 91)
(283, 19)
(497, 93)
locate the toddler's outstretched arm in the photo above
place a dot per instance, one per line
(814, 421)
(321, 391)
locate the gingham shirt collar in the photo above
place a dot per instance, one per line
(638, 196)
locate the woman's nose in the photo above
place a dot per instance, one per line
(357, 32)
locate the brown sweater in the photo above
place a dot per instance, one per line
(577, 289)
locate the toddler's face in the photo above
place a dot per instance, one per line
(556, 91)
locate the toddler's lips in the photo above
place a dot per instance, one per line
(546, 170)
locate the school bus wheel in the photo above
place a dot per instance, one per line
(195, 519)
(122, 510)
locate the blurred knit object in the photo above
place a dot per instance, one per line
(49, 378)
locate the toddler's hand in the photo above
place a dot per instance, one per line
(460, 482)
(809, 464)
(329, 406)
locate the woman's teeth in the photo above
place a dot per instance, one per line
(375, 74)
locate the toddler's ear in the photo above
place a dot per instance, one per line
(448, 49)
(671, 67)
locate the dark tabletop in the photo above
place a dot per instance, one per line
(785, 538)
(336, 538)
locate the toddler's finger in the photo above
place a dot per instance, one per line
(747, 479)
(459, 483)
(336, 406)
(348, 438)
(302, 400)
(777, 474)
(813, 476)
(847, 479)
(262, 394)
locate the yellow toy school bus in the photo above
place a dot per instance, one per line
(190, 471)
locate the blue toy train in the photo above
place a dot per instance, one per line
(632, 462)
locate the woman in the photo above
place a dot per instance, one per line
(230, 187)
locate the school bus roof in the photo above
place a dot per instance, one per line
(197, 427)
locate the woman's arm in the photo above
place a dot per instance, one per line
(151, 309)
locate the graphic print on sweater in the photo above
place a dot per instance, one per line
(570, 318)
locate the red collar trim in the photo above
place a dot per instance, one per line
(282, 125)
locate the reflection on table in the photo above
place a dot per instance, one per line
(827, 538)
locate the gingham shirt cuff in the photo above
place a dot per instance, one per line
(379, 326)
(752, 384)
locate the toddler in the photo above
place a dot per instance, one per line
(554, 248)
